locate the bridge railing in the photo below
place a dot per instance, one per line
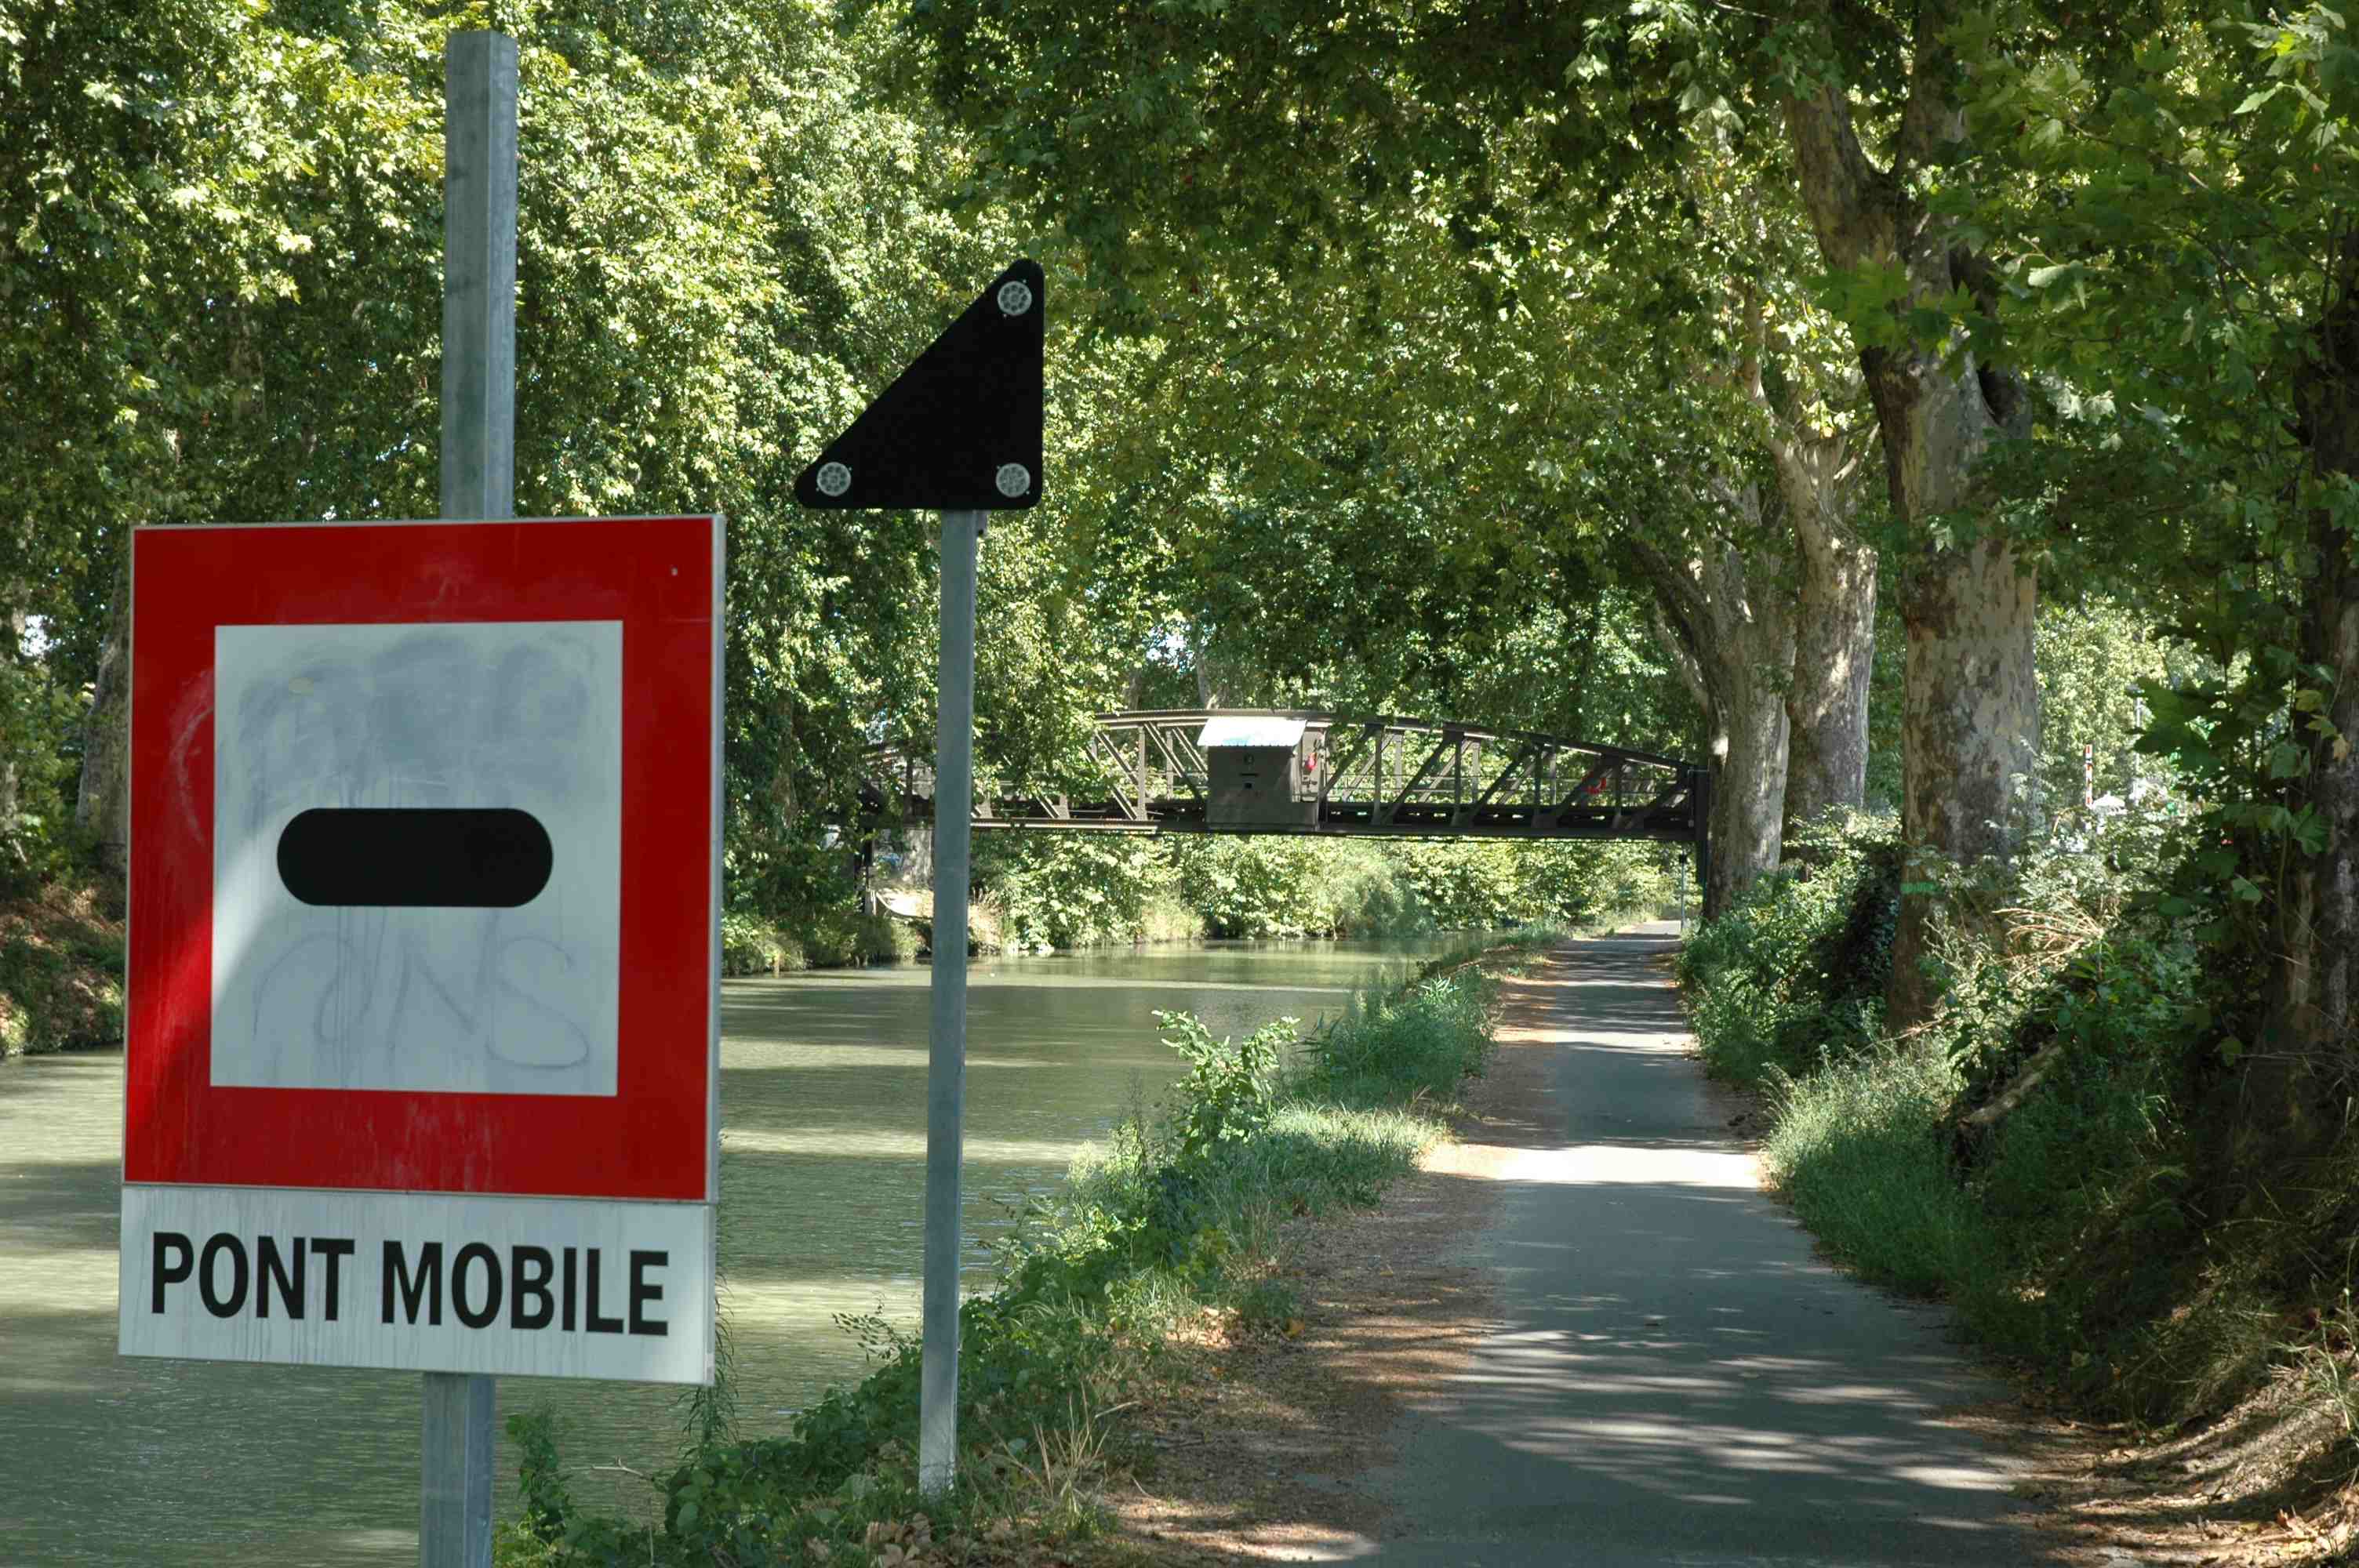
(1349, 774)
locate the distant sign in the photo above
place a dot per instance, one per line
(422, 994)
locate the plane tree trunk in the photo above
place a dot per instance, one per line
(1967, 601)
(1834, 630)
(1818, 471)
(1729, 632)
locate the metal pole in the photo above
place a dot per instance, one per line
(479, 192)
(946, 1065)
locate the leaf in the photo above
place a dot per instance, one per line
(2255, 100)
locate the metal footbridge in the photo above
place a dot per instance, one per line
(1296, 770)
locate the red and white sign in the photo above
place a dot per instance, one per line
(424, 893)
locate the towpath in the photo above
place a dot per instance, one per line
(1671, 1377)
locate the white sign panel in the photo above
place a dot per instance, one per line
(526, 715)
(545, 1286)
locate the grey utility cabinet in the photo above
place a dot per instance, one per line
(1257, 781)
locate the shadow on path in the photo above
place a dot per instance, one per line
(1678, 1380)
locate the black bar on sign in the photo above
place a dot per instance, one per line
(468, 858)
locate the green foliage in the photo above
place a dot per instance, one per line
(2093, 658)
(1852, 1149)
(2036, 1154)
(1062, 891)
(827, 939)
(2181, 273)
(750, 946)
(39, 719)
(1792, 976)
(1077, 889)
(1287, 887)
(220, 264)
(1231, 1083)
(60, 973)
(1415, 1044)
(1259, 886)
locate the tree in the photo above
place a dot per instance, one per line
(1110, 123)
(222, 286)
(2188, 281)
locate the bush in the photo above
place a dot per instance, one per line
(2034, 1153)
(1070, 890)
(39, 721)
(61, 972)
(752, 947)
(1294, 887)
(831, 939)
(1227, 1093)
(1792, 976)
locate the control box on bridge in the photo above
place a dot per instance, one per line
(1262, 778)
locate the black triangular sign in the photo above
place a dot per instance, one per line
(960, 429)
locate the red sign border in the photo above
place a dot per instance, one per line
(654, 1138)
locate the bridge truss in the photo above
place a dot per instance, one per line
(1371, 776)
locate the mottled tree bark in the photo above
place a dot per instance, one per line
(1972, 710)
(1818, 482)
(1729, 631)
(1835, 631)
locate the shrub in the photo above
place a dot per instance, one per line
(1227, 1093)
(1792, 976)
(39, 721)
(752, 947)
(2034, 1153)
(60, 973)
(1070, 890)
(830, 939)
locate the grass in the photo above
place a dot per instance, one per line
(2043, 1155)
(1852, 1147)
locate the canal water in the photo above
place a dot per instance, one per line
(822, 1097)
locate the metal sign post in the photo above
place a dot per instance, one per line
(479, 265)
(946, 1060)
(958, 432)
